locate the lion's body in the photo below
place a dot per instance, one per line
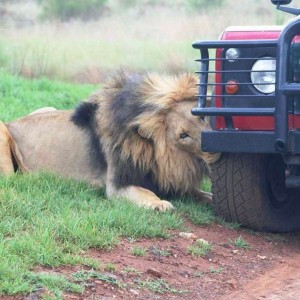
(50, 141)
(136, 136)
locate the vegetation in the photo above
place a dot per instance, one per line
(216, 271)
(20, 96)
(159, 252)
(203, 5)
(83, 276)
(138, 251)
(139, 35)
(70, 9)
(56, 284)
(48, 221)
(110, 267)
(202, 216)
(200, 248)
(130, 270)
(159, 286)
(240, 243)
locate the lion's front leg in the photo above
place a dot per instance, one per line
(134, 193)
(140, 196)
(201, 196)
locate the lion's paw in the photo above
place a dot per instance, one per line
(203, 197)
(161, 205)
(207, 198)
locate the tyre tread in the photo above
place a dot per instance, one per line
(240, 194)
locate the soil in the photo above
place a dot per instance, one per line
(267, 269)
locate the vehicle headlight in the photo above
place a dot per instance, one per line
(263, 75)
(232, 54)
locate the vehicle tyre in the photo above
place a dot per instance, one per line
(250, 189)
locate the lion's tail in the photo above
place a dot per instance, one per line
(9, 152)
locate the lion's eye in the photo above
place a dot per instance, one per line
(183, 135)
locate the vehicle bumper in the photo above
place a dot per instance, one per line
(247, 141)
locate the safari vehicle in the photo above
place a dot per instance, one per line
(252, 77)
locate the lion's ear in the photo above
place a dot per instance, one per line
(149, 126)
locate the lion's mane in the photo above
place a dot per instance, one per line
(127, 124)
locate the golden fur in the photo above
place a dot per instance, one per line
(136, 136)
(174, 169)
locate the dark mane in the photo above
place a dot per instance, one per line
(84, 114)
(84, 117)
(126, 120)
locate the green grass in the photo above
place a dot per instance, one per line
(159, 286)
(156, 37)
(200, 248)
(21, 96)
(138, 251)
(198, 214)
(55, 283)
(110, 267)
(130, 270)
(159, 252)
(83, 276)
(240, 242)
(215, 271)
(47, 221)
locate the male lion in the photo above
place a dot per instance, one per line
(136, 136)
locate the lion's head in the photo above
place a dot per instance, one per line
(145, 121)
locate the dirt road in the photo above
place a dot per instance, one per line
(265, 266)
(282, 282)
(268, 268)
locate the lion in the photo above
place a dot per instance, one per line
(135, 136)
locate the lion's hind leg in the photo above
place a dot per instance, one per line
(141, 197)
(6, 159)
(8, 152)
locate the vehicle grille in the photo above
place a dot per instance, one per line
(212, 81)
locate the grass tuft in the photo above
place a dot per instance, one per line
(240, 243)
(54, 283)
(197, 213)
(138, 251)
(200, 248)
(84, 276)
(159, 286)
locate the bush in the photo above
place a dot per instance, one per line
(72, 9)
(203, 5)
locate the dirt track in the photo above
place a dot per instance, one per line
(268, 269)
(280, 283)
